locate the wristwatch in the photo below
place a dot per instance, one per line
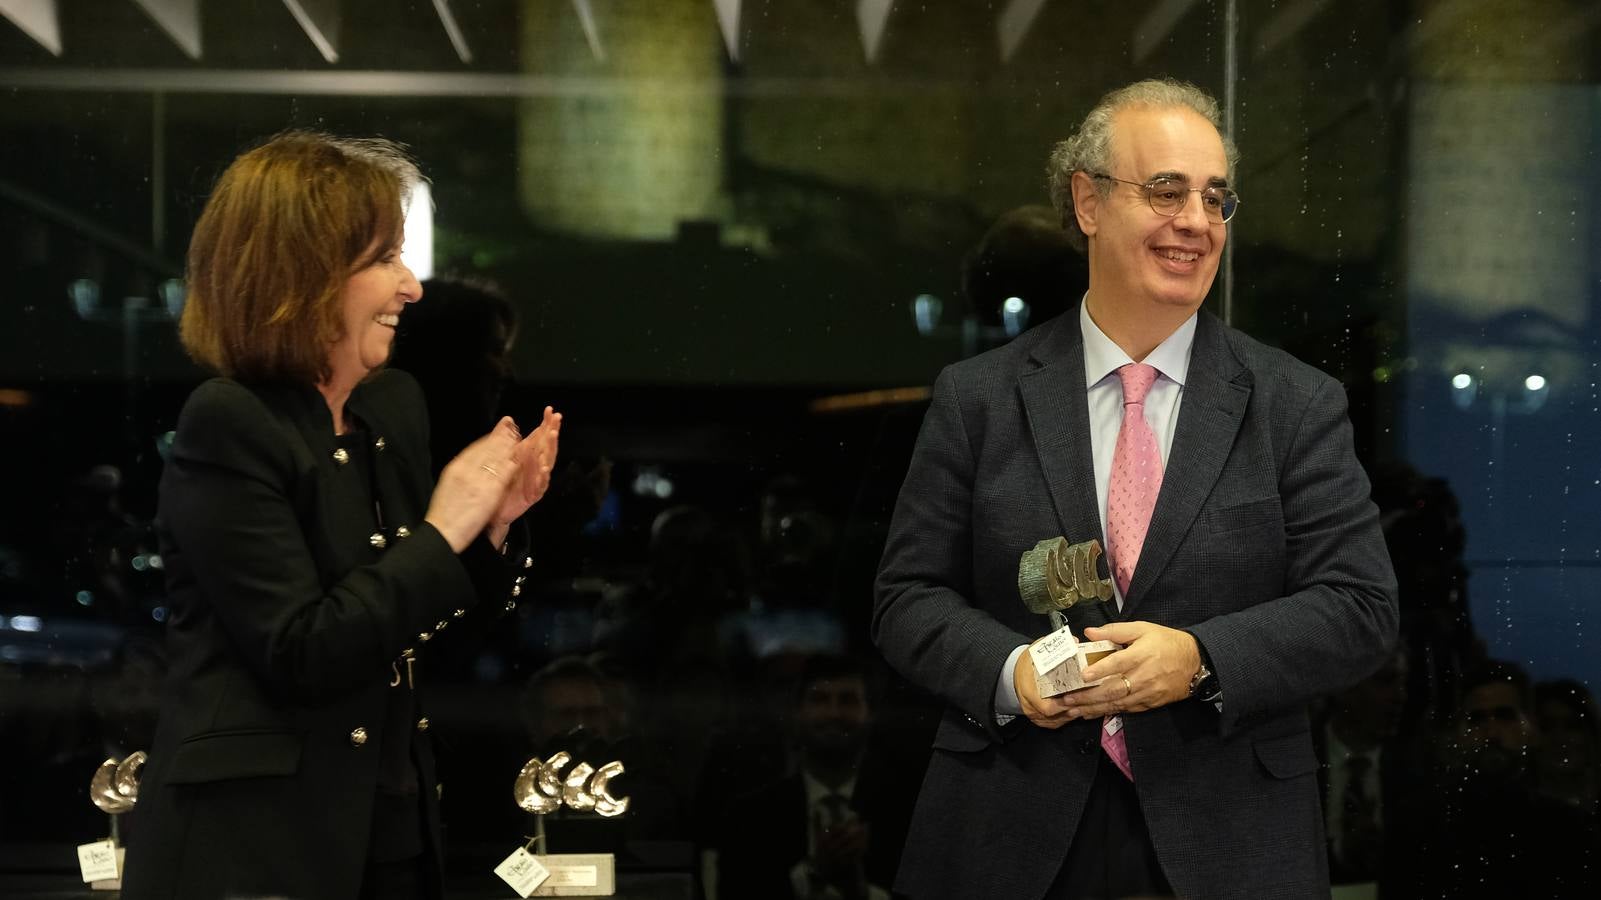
(1204, 686)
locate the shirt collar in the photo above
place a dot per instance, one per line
(816, 790)
(1102, 356)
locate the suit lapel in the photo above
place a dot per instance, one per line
(1056, 405)
(1216, 391)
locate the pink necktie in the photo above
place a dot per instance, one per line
(1131, 496)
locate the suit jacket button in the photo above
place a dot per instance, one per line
(422, 724)
(402, 532)
(358, 737)
(425, 636)
(380, 443)
(341, 456)
(1088, 746)
(378, 541)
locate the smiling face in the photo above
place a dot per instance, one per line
(1138, 256)
(372, 300)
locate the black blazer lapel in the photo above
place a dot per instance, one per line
(1216, 391)
(1056, 407)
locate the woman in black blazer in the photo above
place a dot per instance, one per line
(310, 556)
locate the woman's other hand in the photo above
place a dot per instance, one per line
(536, 459)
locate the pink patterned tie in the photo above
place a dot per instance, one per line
(1131, 496)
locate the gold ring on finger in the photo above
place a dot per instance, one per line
(1127, 688)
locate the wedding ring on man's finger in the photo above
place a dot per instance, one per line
(1127, 688)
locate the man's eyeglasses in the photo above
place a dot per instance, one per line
(1167, 197)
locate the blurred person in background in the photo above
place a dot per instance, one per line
(1567, 764)
(807, 835)
(310, 553)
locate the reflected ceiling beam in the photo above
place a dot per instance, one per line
(1013, 25)
(458, 40)
(871, 17)
(37, 19)
(319, 19)
(1286, 24)
(1157, 25)
(586, 18)
(376, 83)
(180, 19)
(728, 21)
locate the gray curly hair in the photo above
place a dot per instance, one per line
(1090, 149)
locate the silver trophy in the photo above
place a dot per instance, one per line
(114, 788)
(541, 788)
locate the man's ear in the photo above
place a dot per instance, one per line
(1086, 202)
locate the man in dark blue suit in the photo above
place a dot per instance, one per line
(1250, 574)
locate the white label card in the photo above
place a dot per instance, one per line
(1052, 650)
(98, 861)
(522, 871)
(1114, 724)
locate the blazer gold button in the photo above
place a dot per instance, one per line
(379, 444)
(422, 724)
(341, 456)
(458, 613)
(402, 531)
(511, 605)
(441, 624)
(528, 562)
(408, 653)
(358, 737)
(516, 590)
(378, 541)
(425, 636)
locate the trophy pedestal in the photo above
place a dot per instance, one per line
(578, 875)
(1064, 676)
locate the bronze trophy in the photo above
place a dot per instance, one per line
(1053, 578)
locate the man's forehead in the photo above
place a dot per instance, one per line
(1174, 141)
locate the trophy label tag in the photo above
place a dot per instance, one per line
(522, 870)
(99, 861)
(1052, 650)
(575, 876)
(1114, 724)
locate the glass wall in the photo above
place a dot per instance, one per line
(739, 240)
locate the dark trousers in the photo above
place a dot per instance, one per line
(1111, 856)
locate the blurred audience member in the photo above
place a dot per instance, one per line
(1489, 832)
(1025, 254)
(1364, 771)
(807, 835)
(564, 703)
(1567, 764)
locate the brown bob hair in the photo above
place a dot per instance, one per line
(286, 225)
